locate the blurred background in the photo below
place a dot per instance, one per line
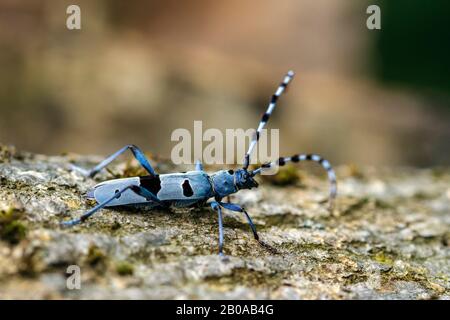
(137, 70)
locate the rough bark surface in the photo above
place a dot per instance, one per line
(388, 238)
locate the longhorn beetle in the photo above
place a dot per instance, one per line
(193, 188)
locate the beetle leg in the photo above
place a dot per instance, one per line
(146, 194)
(237, 208)
(139, 190)
(216, 207)
(138, 154)
(198, 165)
(95, 209)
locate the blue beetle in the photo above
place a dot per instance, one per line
(193, 188)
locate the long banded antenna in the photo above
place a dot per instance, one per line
(306, 157)
(266, 115)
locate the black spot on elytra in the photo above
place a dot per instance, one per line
(231, 172)
(151, 183)
(187, 189)
(295, 158)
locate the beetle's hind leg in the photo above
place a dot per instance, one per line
(237, 208)
(95, 209)
(139, 190)
(138, 154)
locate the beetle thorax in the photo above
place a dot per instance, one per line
(226, 182)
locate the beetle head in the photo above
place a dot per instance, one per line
(244, 179)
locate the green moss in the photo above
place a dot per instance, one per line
(287, 175)
(116, 226)
(124, 268)
(417, 275)
(439, 172)
(6, 153)
(383, 258)
(356, 206)
(132, 169)
(12, 230)
(383, 204)
(285, 220)
(354, 278)
(95, 257)
(355, 171)
(422, 196)
(246, 277)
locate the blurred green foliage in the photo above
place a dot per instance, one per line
(413, 46)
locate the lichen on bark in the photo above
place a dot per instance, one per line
(387, 239)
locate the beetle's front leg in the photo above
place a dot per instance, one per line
(237, 208)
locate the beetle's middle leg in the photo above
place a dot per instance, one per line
(138, 154)
(198, 165)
